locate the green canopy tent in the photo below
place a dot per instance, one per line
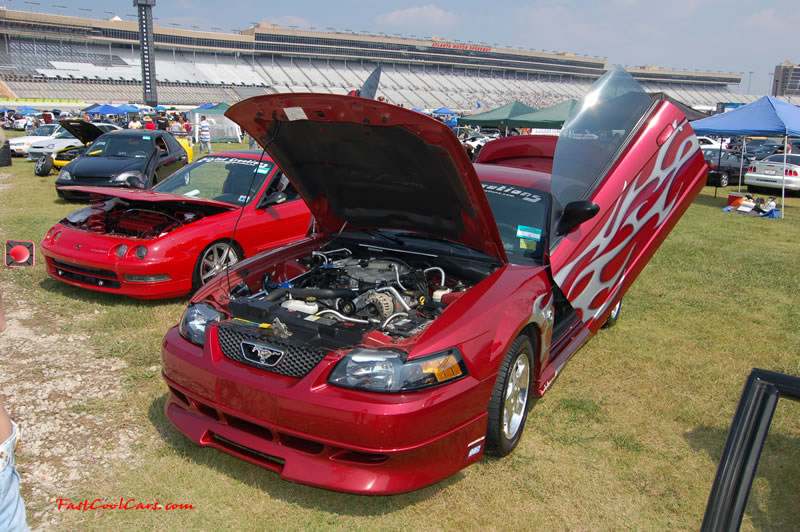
(550, 118)
(497, 117)
(223, 129)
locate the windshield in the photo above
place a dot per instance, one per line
(43, 131)
(233, 180)
(121, 146)
(521, 216)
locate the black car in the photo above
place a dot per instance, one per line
(125, 158)
(762, 151)
(724, 166)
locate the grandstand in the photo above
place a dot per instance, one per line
(50, 56)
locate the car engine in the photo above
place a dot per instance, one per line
(345, 295)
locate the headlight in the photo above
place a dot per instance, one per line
(133, 178)
(63, 175)
(50, 146)
(381, 370)
(194, 322)
(141, 252)
(121, 250)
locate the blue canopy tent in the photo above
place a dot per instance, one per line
(444, 111)
(204, 106)
(105, 109)
(766, 116)
(159, 108)
(128, 108)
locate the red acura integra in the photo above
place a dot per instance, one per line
(408, 332)
(171, 240)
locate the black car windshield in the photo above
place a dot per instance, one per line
(114, 145)
(778, 158)
(521, 214)
(233, 180)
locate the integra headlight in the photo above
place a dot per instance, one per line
(195, 320)
(382, 370)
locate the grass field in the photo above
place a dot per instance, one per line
(628, 436)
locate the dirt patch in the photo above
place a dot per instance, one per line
(60, 391)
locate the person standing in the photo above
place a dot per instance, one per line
(149, 124)
(12, 508)
(134, 123)
(162, 122)
(205, 135)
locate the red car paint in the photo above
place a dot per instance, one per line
(87, 259)
(314, 432)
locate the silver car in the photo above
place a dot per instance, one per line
(770, 172)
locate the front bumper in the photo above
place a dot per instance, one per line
(312, 433)
(772, 181)
(87, 260)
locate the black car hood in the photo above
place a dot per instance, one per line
(97, 167)
(82, 130)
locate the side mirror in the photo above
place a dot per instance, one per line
(276, 198)
(575, 213)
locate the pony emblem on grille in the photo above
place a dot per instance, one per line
(261, 354)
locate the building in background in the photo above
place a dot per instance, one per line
(787, 80)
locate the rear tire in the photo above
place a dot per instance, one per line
(508, 406)
(724, 179)
(44, 165)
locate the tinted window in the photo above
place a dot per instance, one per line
(594, 132)
(43, 131)
(521, 215)
(229, 179)
(778, 158)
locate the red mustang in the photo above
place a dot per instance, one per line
(408, 332)
(169, 241)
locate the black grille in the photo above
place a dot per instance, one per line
(81, 274)
(95, 272)
(297, 360)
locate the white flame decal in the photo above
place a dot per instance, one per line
(597, 255)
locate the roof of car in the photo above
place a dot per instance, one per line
(139, 132)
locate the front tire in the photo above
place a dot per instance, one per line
(508, 406)
(44, 165)
(724, 179)
(213, 260)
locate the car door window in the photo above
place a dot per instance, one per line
(161, 144)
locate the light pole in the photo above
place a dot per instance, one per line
(772, 88)
(749, 79)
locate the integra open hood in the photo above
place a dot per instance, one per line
(362, 163)
(150, 196)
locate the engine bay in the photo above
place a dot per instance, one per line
(345, 294)
(146, 220)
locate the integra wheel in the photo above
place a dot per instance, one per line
(508, 407)
(214, 259)
(44, 165)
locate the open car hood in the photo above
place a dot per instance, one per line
(134, 194)
(361, 163)
(82, 130)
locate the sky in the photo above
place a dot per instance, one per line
(699, 35)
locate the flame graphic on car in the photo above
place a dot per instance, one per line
(593, 280)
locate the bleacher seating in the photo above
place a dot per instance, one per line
(96, 72)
